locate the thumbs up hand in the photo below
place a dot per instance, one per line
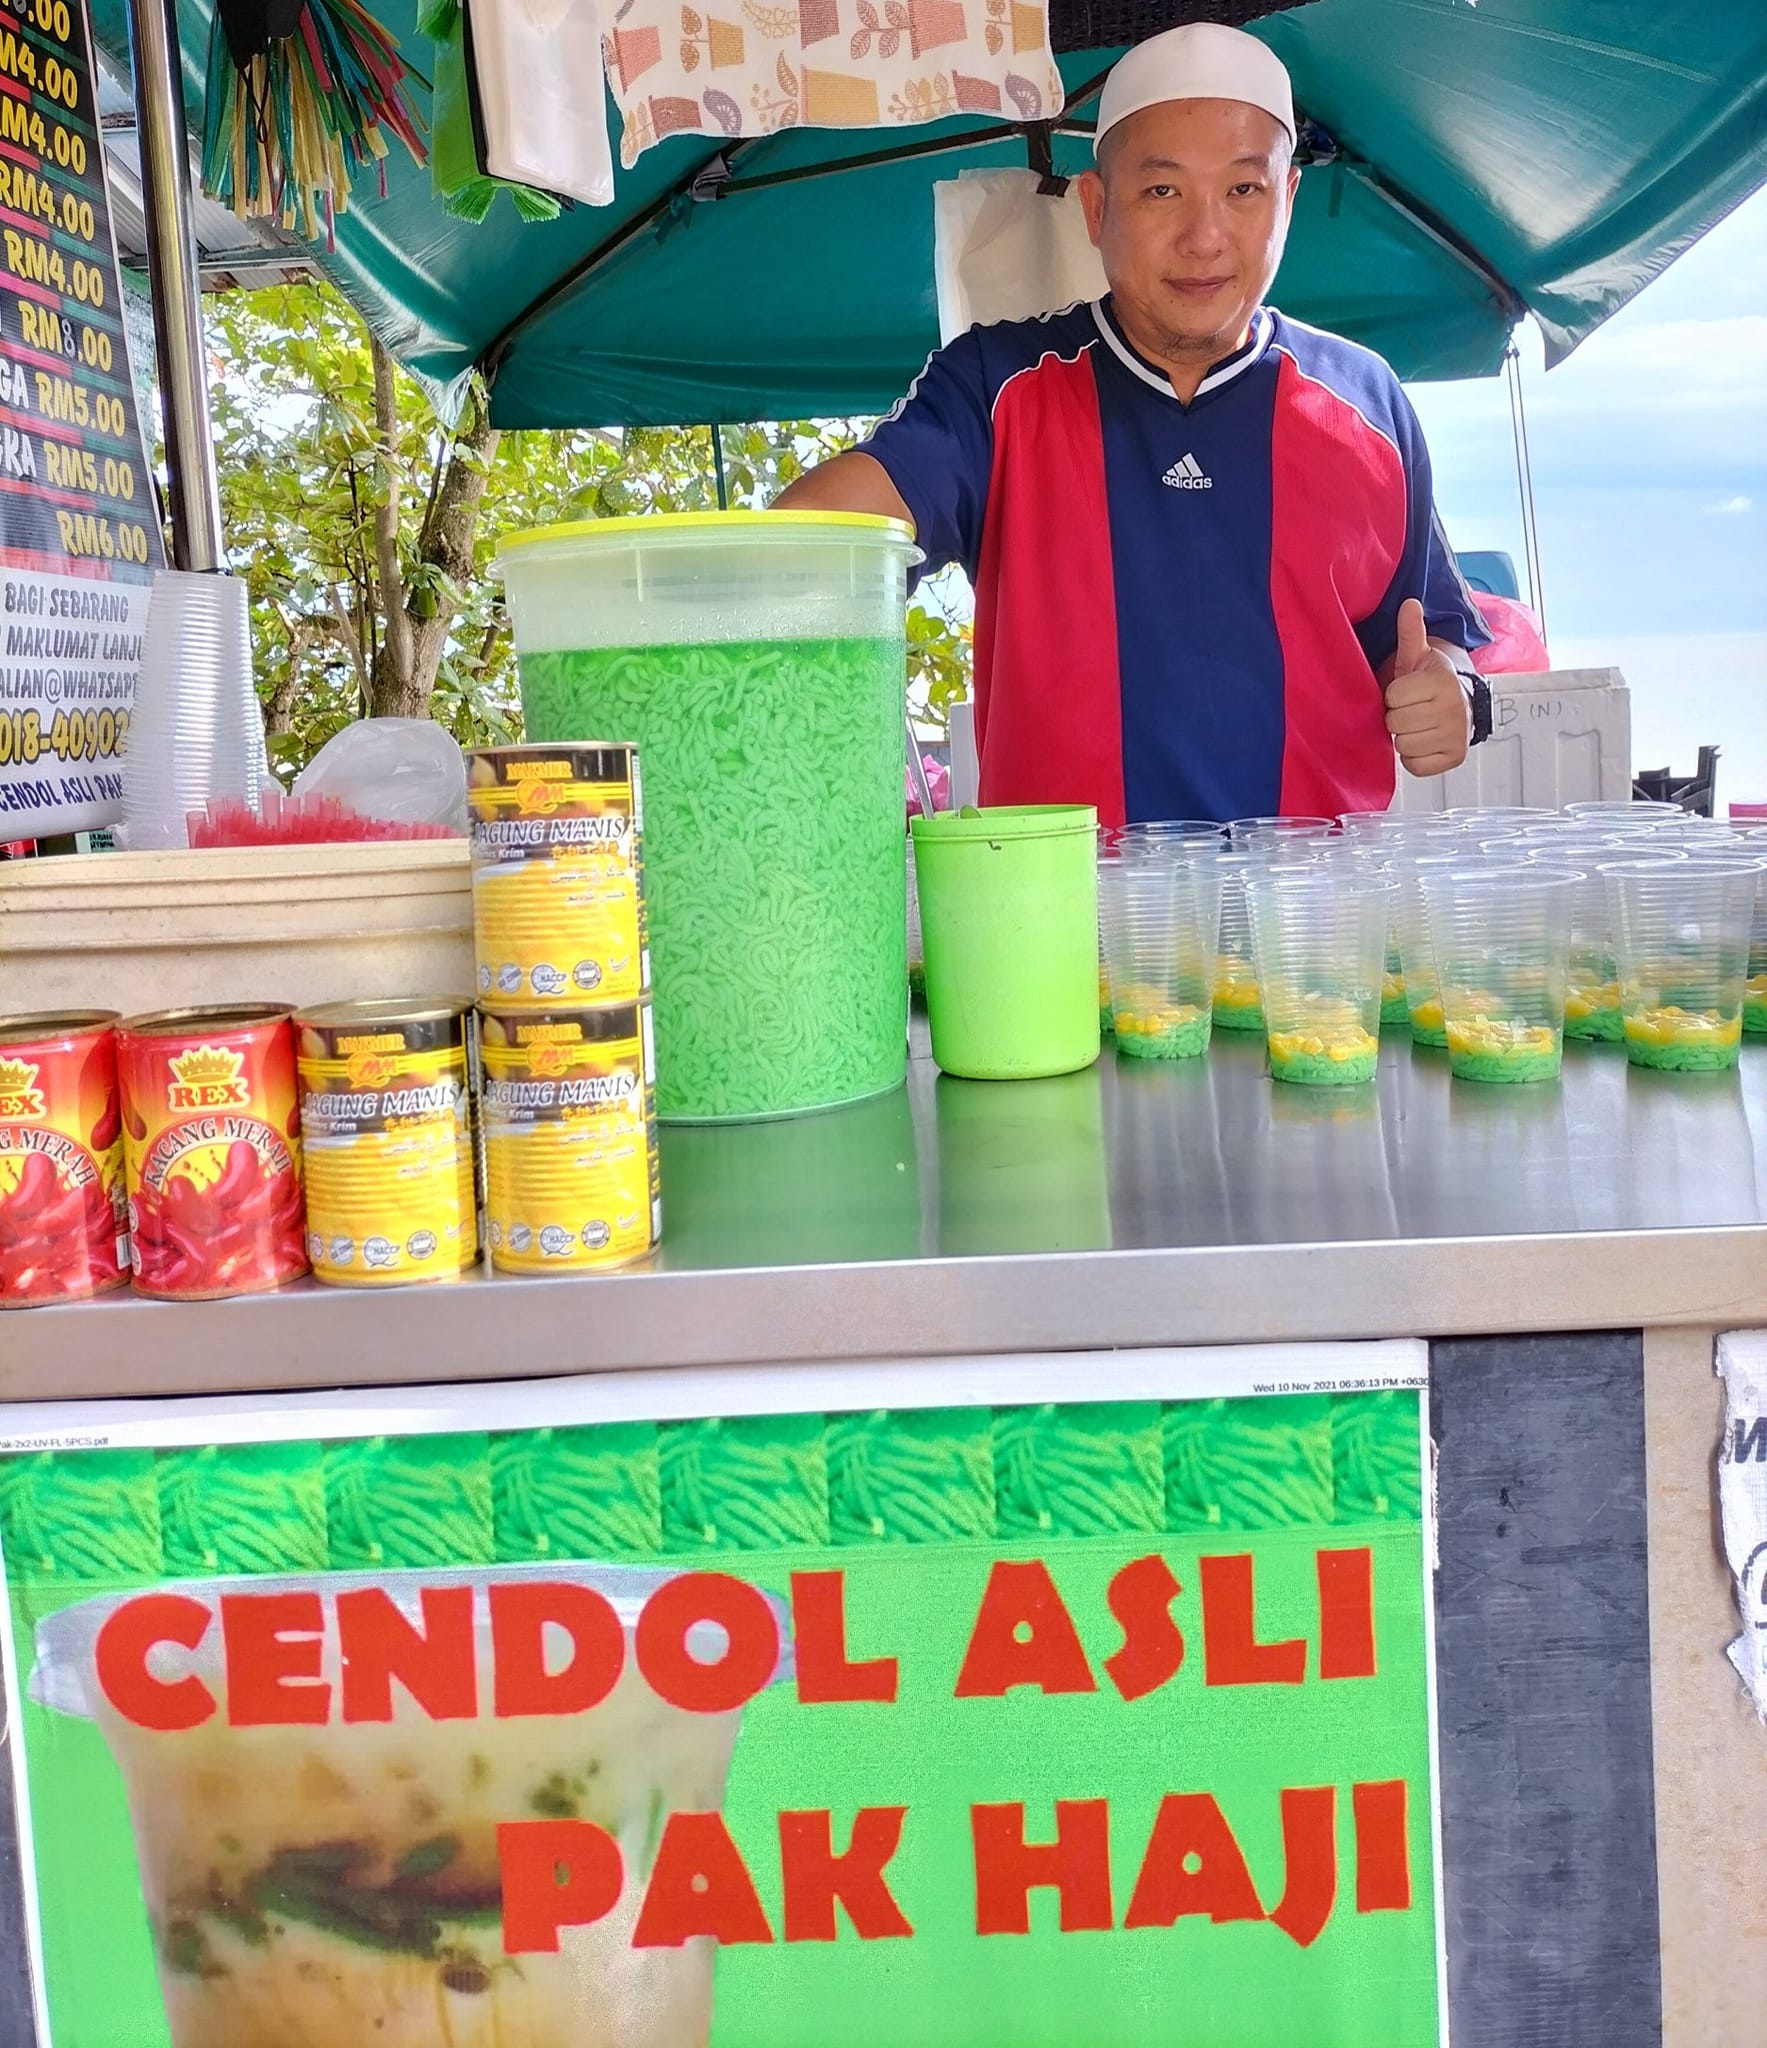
(1427, 712)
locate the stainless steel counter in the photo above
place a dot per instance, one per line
(1134, 1204)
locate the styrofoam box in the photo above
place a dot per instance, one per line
(1561, 737)
(277, 924)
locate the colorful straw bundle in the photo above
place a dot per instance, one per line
(297, 821)
(291, 111)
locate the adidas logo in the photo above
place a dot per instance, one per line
(1186, 475)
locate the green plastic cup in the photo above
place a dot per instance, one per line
(1009, 923)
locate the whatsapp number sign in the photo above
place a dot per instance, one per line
(79, 531)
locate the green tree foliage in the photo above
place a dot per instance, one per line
(366, 527)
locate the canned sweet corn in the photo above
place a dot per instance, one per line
(569, 1107)
(558, 876)
(386, 1115)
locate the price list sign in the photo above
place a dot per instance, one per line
(79, 534)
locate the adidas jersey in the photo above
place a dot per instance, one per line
(1180, 608)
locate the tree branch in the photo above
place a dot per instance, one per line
(397, 645)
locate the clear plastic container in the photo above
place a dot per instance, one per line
(1754, 1006)
(1169, 834)
(1681, 944)
(1502, 943)
(1160, 915)
(1269, 832)
(1320, 934)
(1417, 958)
(1499, 817)
(1623, 810)
(1592, 989)
(1237, 1005)
(759, 661)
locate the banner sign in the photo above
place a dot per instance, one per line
(539, 1715)
(1742, 1498)
(79, 532)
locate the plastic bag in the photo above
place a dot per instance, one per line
(1517, 646)
(409, 771)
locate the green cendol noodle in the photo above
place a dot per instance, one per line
(772, 857)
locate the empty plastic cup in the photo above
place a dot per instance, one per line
(1135, 840)
(1009, 922)
(1502, 943)
(1410, 927)
(1320, 935)
(1237, 1005)
(1160, 915)
(1681, 944)
(1268, 832)
(1627, 810)
(1498, 816)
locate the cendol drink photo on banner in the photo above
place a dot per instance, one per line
(637, 1711)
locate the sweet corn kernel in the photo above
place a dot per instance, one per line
(1669, 1024)
(1499, 1036)
(1427, 1016)
(1591, 998)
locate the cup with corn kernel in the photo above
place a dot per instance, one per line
(1160, 912)
(1682, 932)
(1319, 934)
(1500, 933)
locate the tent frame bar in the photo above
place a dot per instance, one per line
(711, 180)
(1419, 216)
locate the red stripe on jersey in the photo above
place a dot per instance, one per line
(1337, 521)
(1049, 720)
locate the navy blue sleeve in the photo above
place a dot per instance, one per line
(1427, 569)
(938, 447)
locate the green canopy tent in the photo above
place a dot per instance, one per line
(1469, 164)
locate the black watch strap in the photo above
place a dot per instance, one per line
(1479, 695)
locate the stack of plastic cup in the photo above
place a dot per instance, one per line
(1320, 933)
(1237, 1003)
(196, 732)
(1681, 943)
(1410, 927)
(1754, 1005)
(1501, 936)
(1160, 915)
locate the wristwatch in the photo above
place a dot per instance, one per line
(1478, 697)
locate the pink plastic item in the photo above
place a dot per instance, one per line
(1518, 641)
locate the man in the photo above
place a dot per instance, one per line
(1209, 577)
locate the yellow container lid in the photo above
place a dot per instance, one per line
(705, 525)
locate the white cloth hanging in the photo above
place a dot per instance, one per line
(1004, 250)
(543, 95)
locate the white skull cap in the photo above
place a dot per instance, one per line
(1201, 61)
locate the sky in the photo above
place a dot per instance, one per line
(1649, 453)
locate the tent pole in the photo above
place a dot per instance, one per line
(717, 433)
(1524, 478)
(172, 277)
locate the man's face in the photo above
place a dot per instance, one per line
(1189, 208)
